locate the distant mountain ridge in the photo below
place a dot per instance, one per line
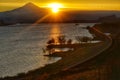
(30, 13)
(26, 13)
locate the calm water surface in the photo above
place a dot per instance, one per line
(21, 45)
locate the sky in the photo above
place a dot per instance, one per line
(73, 4)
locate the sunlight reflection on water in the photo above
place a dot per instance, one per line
(23, 52)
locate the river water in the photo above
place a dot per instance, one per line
(21, 45)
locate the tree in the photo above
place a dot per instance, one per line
(83, 39)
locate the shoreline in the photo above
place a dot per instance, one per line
(64, 63)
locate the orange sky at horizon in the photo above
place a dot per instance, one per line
(6, 5)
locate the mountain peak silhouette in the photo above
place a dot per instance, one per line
(30, 5)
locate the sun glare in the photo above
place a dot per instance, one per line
(55, 7)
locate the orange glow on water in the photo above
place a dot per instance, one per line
(55, 32)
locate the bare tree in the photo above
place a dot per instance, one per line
(81, 39)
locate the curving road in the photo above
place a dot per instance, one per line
(107, 40)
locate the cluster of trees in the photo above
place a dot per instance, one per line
(84, 39)
(61, 40)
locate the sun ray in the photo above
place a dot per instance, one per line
(55, 7)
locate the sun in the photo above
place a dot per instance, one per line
(55, 7)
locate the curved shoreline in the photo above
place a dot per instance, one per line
(108, 42)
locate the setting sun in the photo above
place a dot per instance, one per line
(55, 7)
